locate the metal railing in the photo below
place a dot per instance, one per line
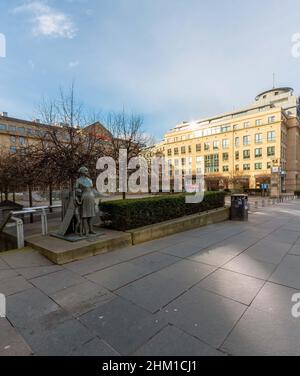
(18, 222)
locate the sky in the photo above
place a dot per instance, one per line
(168, 60)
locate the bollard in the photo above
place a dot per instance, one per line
(256, 205)
(20, 232)
(44, 222)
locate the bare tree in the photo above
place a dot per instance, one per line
(67, 144)
(127, 134)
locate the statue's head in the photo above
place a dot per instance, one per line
(83, 171)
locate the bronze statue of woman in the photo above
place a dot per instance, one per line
(87, 211)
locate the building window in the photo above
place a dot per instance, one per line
(271, 119)
(236, 127)
(225, 144)
(212, 163)
(190, 149)
(13, 149)
(237, 155)
(3, 127)
(269, 165)
(12, 128)
(258, 138)
(176, 151)
(22, 140)
(169, 152)
(258, 166)
(237, 168)
(258, 153)
(183, 150)
(258, 122)
(246, 124)
(237, 142)
(21, 130)
(271, 151)
(183, 161)
(271, 136)
(13, 139)
(198, 147)
(225, 168)
(246, 140)
(225, 156)
(216, 145)
(246, 167)
(199, 160)
(246, 154)
(176, 162)
(225, 128)
(206, 146)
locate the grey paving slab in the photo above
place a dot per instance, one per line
(288, 272)
(295, 250)
(118, 276)
(217, 255)
(123, 325)
(3, 265)
(153, 292)
(24, 258)
(59, 339)
(81, 298)
(187, 248)
(37, 271)
(172, 341)
(203, 314)
(93, 264)
(284, 236)
(232, 285)
(106, 260)
(24, 308)
(276, 299)
(7, 273)
(250, 266)
(54, 282)
(269, 251)
(260, 333)
(154, 262)
(12, 285)
(187, 271)
(11, 343)
(95, 347)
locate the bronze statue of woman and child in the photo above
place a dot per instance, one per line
(79, 209)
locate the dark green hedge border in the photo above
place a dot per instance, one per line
(129, 214)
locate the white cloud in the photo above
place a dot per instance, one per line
(48, 21)
(73, 64)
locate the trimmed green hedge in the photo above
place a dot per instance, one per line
(130, 214)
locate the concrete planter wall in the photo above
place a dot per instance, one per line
(175, 226)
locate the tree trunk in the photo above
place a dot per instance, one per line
(6, 194)
(30, 202)
(14, 196)
(50, 197)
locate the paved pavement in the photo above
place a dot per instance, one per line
(225, 289)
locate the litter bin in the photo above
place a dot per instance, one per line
(239, 208)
